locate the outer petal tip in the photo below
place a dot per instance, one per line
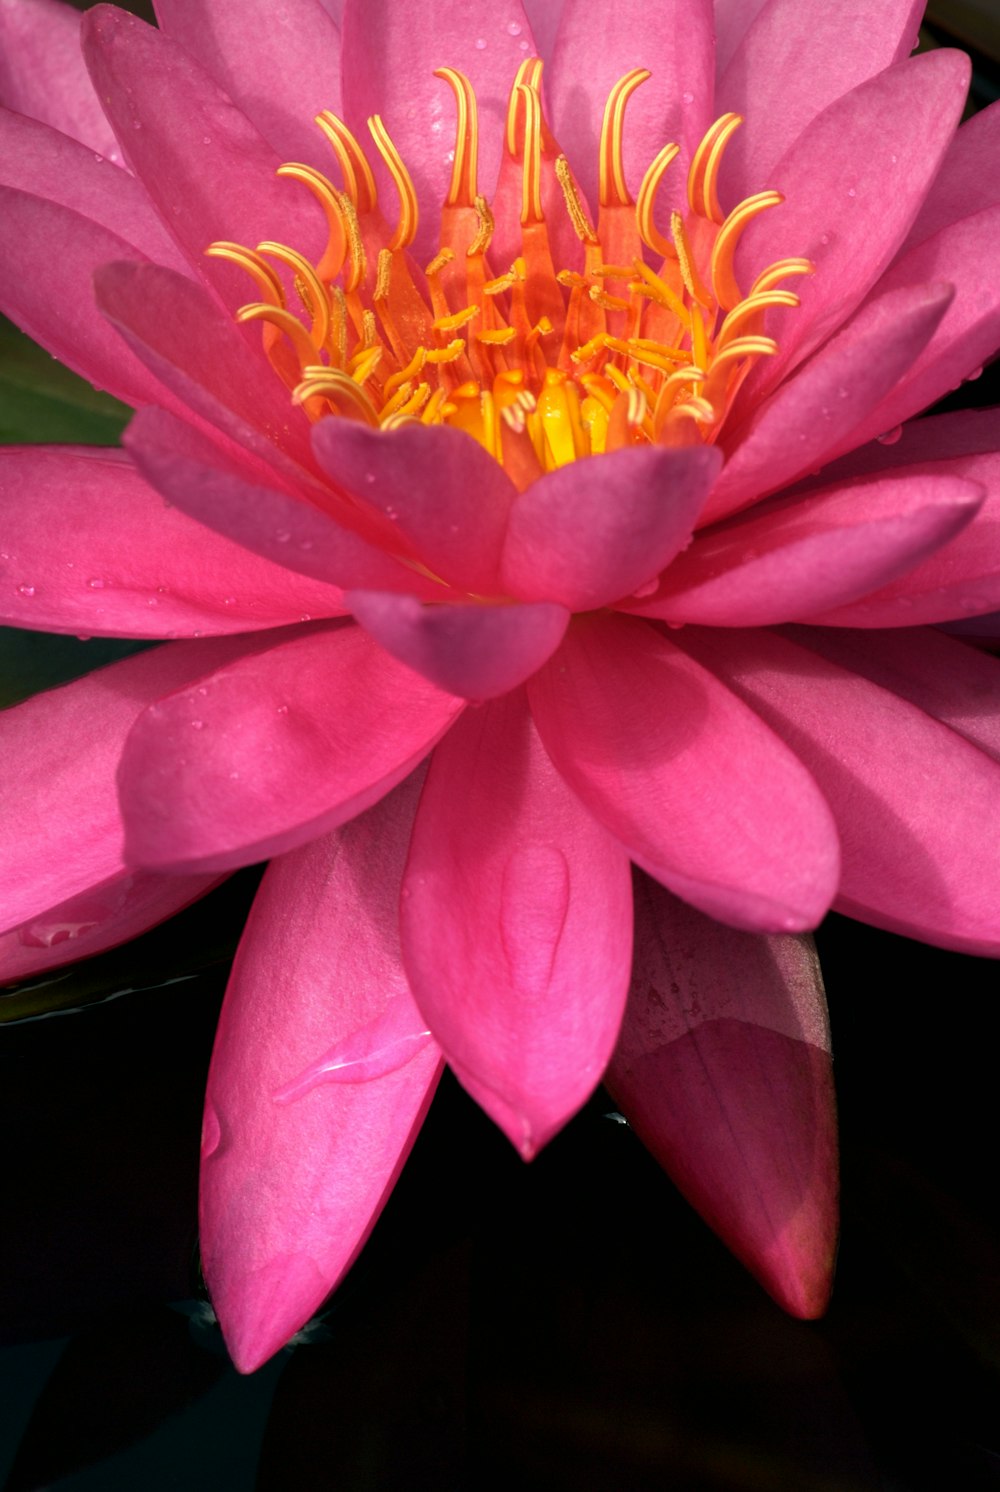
(261, 1312)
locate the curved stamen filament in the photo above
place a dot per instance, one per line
(648, 231)
(258, 269)
(778, 271)
(332, 261)
(612, 187)
(703, 177)
(333, 385)
(528, 76)
(531, 166)
(747, 309)
(463, 188)
(311, 290)
(359, 183)
(727, 291)
(285, 322)
(406, 228)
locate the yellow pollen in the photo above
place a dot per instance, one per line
(542, 363)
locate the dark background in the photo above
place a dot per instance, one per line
(568, 1325)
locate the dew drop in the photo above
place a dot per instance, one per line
(282, 709)
(372, 1051)
(153, 601)
(688, 97)
(976, 373)
(369, 477)
(162, 589)
(480, 44)
(197, 725)
(234, 777)
(282, 536)
(851, 192)
(26, 590)
(391, 512)
(211, 1131)
(514, 28)
(891, 437)
(206, 139)
(525, 46)
(824, 238)
(136, 124)
(97, 584)
(306, 544)
(229, 601)
(99, 159)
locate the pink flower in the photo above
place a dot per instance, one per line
(727, 327)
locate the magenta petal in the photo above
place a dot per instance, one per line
(102, 917)
(794, 60)
(381, 44)
(434, 488)
(291, 1186)
(674, 40)
(245, 502)
(206, 168)
(36, 158)
(966, 182)
(474, 651)
(242, 43)
(820, 408)
(590, 532)
(853, 182)
(61, 803)
(90, 548)
(42, 72)
(723, 1069)
(918, 821)
(266, 754)
(797, 556)
(195, 349)
(699, 790)
(57, 308)
(516, 925)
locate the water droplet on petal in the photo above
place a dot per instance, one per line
(97, 584)
(26, 590)
(976, 373)
(229, 601)
(480, 44)
(374, 1050)
(851, 192)
(890, 437)
(99, 159)
(514, 28)
(282, 536)
(688, 97)
(197, 725)
(282, 709)
(211, 1131)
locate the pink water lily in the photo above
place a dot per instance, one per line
(497, 545)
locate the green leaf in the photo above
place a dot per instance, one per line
(40, 400)
(32, 661)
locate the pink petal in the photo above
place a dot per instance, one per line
(941, 676)
(207, 170)
(915, 804)
(296, 48)
(544, 17)
(674, 40)
(381, 44)
(60, 801)
(474, 651)
(265, 755)
(797, 556)
(957, 437)
(732, 20)
(516, 925)
(853, 182)
(435, 488)
(592, 531)
(90, 548)
(793, 61)
(36, 158)
(698, 790)
(198, 352)
(966, 182)
(57, 308)
(818, 410)
(970, 329)
(42, 73)
(291, 1187)
(235, 497)
(724, 1071)
(102, 917)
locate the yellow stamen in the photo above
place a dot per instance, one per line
(406, 228)
(703, 176)
(325, 192)
(463, 189)
(727, 291)
(612, 187)
(359, 183)
(258, 269)
(648, 231)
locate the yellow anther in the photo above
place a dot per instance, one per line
(574, 205)
(500, 284)
(775, 273)
(337, 387)
(484, 232)
(612, 187)
(699, 341)
(559, 409)
(443, 258)
(605, 301)
(597, 388)
(325, 192)
(369, 329)
(404, 375)
(446, 354)
(432, 409)
(338, 330)
(359, 183)
(618, 378)
(409, 214)
(689, 270)
(703, 176)
(497, 338)
(648, 231)
(742, 347)
(591, 349)
(285, 322)
(727, 290)
(456, 322)
(417, 400)
(383, 275)
(666, 359)
(363, 364)
(357, 263)
(463, 189)
(258, 269)
(311, 290)
(650, 284)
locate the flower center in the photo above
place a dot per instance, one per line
(646, 340)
